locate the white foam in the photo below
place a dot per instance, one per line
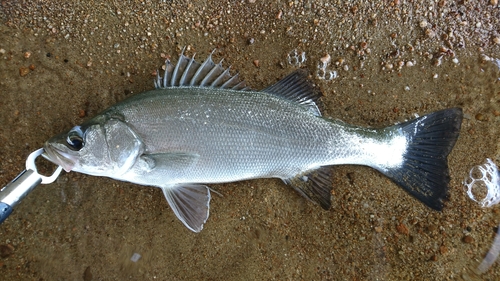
(489, 180)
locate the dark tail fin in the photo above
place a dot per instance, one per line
(424, 173)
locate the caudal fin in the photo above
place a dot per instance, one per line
(424, 173)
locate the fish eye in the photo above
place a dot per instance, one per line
(75, 138)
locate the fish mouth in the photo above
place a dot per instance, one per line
(59, 157)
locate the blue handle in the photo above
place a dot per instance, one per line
(5, 211)
(16, 190)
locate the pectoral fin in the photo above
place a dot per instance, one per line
(190, 204)
(314, 185)
(178, 161)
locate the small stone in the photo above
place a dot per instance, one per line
(81, 113)
(251, 41)
(252, 1)
(378, 229)
(480, 117)
(23, 71)
(443, 249)
(494, 2)
(32, 67)
(430, 33)
(431, 228)
(256, 63)
(401, 228)
(496, 40)
(326, 59)
(27, 54)
(87, 275)
(423, 24)
(468, 239)
(135, 257)
(6, 250)
(434, 258)
(280, 13)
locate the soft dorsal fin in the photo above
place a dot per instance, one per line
(297, 88)
(188, 72)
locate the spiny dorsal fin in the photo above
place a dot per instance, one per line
(188, 72)
(314, 185)
(297, 88)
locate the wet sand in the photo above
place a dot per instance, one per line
(63, 62)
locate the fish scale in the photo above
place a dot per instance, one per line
(287, 135)
(203, 126)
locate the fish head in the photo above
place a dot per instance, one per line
(106, 147)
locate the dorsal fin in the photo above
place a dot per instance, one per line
(188, 72)
(297, 88)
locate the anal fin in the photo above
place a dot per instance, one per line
(190, 203)
(314, 185)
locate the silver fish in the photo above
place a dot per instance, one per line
(201, 125)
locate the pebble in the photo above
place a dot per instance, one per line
(23, 71)
(87, 275)
(27, 54)
(280, 13)
(443, 249)
(480, 117)
(326, 59)
(403, 229)
(496, 40)
(6, 250)
(430, 33)
(468, 239)
(256, 63)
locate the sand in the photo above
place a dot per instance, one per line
(61, 62)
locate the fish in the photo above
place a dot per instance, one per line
(201, 125)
